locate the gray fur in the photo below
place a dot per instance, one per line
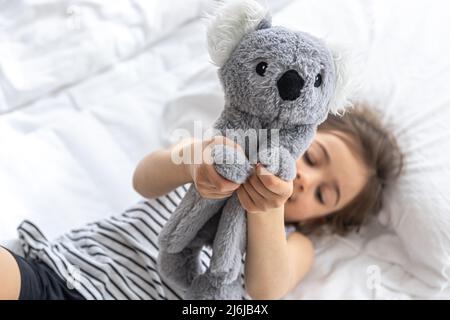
(251, 101)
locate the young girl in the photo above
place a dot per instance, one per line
(339, 184)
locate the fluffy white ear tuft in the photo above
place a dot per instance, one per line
(226, 27)
(347, 79)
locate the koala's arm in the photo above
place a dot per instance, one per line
(280, 158)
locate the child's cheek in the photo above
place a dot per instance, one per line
(302, 208)
(293, 210)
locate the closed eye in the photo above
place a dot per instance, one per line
(308, 159)
(319, 196)
(318, 193)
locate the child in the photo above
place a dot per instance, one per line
(339, 184)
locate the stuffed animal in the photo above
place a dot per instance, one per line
(275, 80)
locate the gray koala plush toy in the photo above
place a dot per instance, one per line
(278, 82)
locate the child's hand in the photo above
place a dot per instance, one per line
(205, 177)
(264, 191)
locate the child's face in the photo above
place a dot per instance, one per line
(321, 186)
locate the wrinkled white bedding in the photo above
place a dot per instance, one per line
(87, 89)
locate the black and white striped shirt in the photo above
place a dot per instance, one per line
(114, 258)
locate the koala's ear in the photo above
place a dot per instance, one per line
(265, 23)
(231, 21)
(347, 80)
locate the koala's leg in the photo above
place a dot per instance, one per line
(183, 267)
(179, 268)
(222, 279)
(230, 241)
(186, 221)
(279, 162)
(209, 286)
(231, 163)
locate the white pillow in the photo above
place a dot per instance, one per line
(408, 77)
(418, 206)
(407, 74)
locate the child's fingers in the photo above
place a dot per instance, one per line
(219, 182)
(268, 179)
(253, 194)
(224, 140)
(245, 200)
(257, 184)
(209, 178)
(214, 195)
(271, 199)
(272, 182)
(207, 190)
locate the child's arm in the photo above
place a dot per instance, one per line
(157, 174)
(273, 265)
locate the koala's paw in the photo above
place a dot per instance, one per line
(231, 163)
(279, 162)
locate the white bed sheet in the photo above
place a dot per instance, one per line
(81, 107)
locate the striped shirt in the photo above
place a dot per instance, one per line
(114, 258)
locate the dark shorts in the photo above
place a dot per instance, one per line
(39, 282)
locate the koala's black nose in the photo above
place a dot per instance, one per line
(290, 85)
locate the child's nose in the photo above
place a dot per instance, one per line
(299, 182)
(305, 180)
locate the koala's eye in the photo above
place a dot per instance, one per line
(318, 81)
(261, 68)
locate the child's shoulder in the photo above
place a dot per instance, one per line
(299, 241)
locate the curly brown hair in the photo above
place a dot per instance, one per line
(378, 149)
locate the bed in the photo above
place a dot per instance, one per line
(87, 88)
